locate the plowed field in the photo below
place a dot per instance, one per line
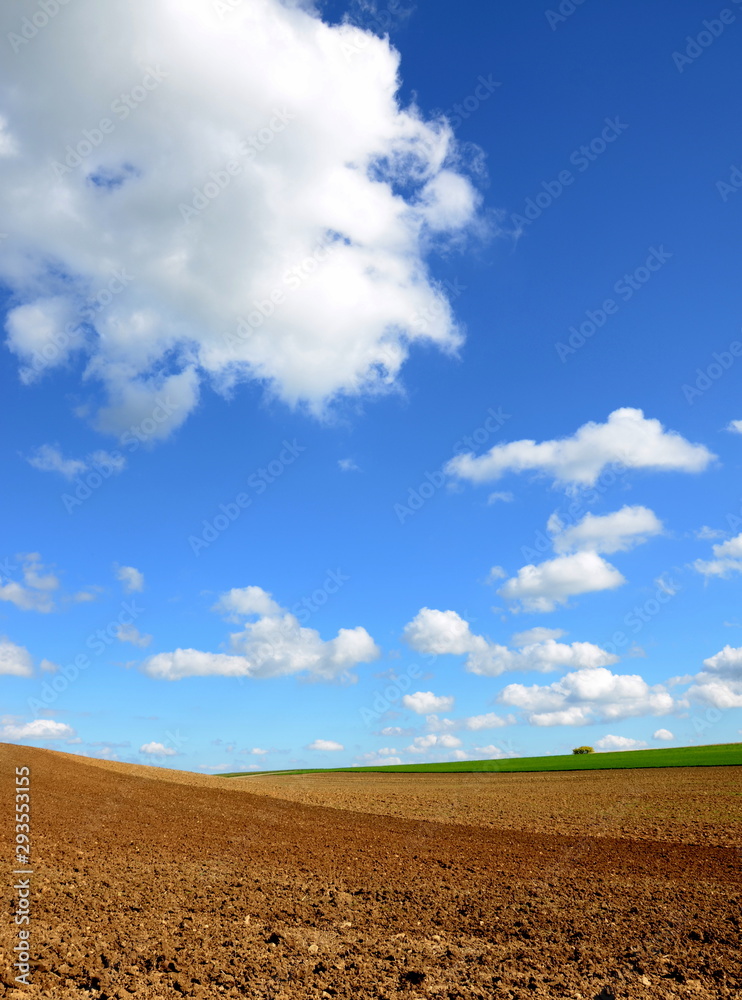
(157, 884)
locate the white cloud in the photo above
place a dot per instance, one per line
(500, 497)
(425, 702)
(246, 601)
(49, 667)
(627, 438)
(441, 632)
(131, 578)
(422, 743)
(616, 532)
(709, 534)
(492, 752)
(39, 729)
(15, 660)
(619, 743)
(157, 750)
(379, 758)
(720, 684)
(489, 721)
(727, 559)
(130, 633)
(662, 734)
(544, 586)
(34, 594)
(316, 194)
(348, 465)
(258, 751)
(49, 458)
(325, 745)
(735, 426)
(589, 695)
(274, 645)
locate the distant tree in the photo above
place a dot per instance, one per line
(583, 750)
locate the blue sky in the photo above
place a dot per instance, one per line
(370, 397)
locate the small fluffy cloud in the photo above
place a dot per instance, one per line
(131, 578)
(39, 729)
(246, 601)
(619, 743)
(627, 438)
(49, 458)
(423, 743)
(130, 633)
(662, 734)
(157, 750)
(616, 532)
(720, 683)
(34, 594)
(348, 465)
(589, 695)
(438, 632)
(488, 721)
(441, 632)
(379, 758)
(727, 559)
(425, 702)
(544, 586)
(325, 745)
(735, 426)
(15, 660)
(236, 222)
(493, 752)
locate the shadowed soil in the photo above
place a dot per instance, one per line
(157, 884)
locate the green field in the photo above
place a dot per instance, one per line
(705, 756)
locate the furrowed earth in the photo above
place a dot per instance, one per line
(588, 885)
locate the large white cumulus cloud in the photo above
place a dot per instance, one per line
(252, 201)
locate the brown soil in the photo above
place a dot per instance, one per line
(684, 805)
(159, 884)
